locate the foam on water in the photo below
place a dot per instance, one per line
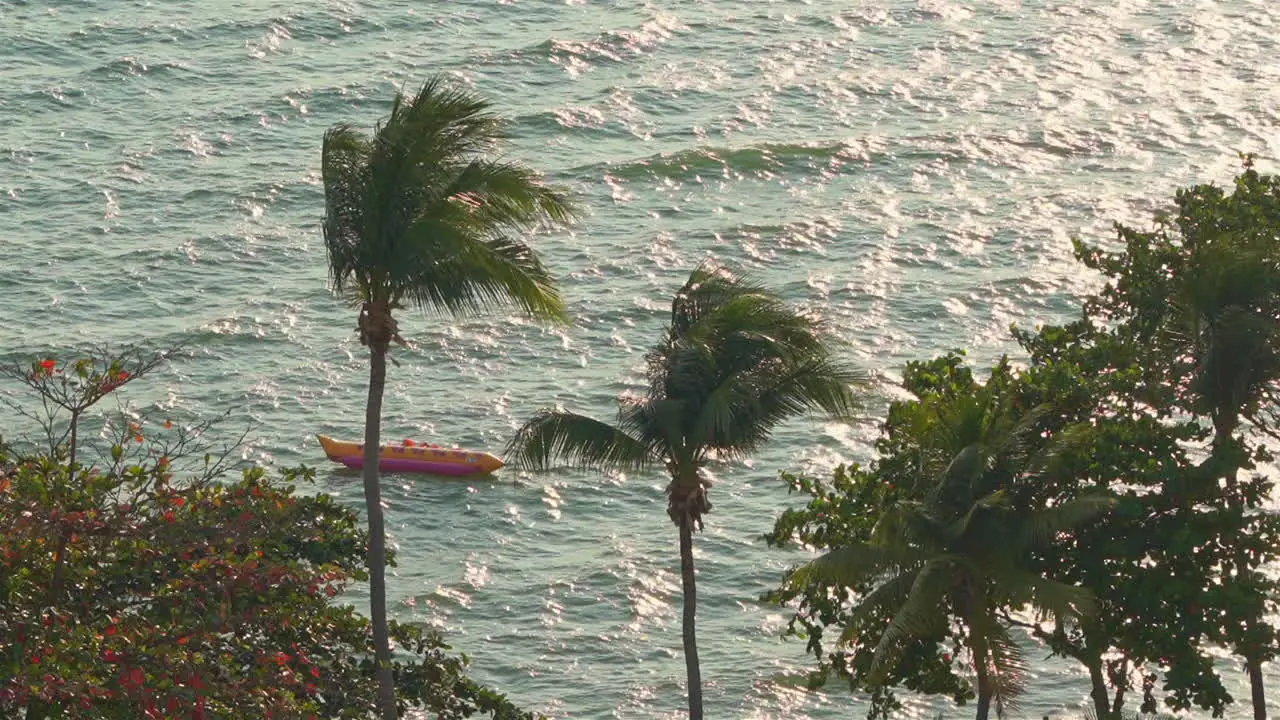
(912, 169)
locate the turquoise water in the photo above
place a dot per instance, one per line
(914, 170)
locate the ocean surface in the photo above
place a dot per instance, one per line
(912, 169)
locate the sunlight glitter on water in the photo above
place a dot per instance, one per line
(914, 170)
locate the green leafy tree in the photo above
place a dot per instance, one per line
(420, 215)
(734, 362)
(1155, 563)
(946, 549)
(1201, 293)
(1159, 393)
(137, 583)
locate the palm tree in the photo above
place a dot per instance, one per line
(957, 546)
(734, 362)
(418, 215)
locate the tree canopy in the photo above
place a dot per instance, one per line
(1157, 396)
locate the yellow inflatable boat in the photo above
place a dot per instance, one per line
(412, 457)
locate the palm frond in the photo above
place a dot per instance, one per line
(1007, 662)
(853, 565)
(1042, 526)
(442, 120)
(743, 361)
(962, 469)
(758, 325)
(709, 286)
(344, 158)
(1016, 429)
(509, 195)
(657, 423)
(578, 441)
(923, 613)
(1049, 598)
(912, 523)
(892, 592)
(739, 415)
(447, 266)
(418, 215)
(975, 526)
(818, 383)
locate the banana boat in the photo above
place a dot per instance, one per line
(412, 457)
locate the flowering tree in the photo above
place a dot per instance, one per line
(152, 587)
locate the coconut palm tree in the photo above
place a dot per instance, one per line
(734, 362)
(420, 215)
(956, 546)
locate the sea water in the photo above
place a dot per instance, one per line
(912, 170)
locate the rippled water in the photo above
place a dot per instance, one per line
(913, 169)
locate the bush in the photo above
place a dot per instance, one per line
(126, 592)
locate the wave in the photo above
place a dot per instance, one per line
(608, 47)
(751, 159)
(28, 48)
(261, 35)
(764, 159)
(125, 67)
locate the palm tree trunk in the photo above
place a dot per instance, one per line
(1101, 698)
(1259, 692)
(984, 688)
(687, 581)
(981, 668)
(377, 532)
(1225, 424)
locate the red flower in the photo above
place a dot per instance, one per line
(111, 382)
(111, 630)
(47, 365)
